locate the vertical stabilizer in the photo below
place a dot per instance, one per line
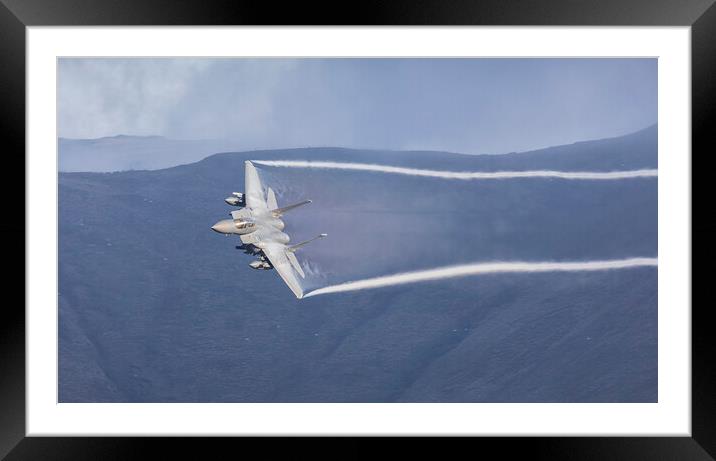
(271, 200)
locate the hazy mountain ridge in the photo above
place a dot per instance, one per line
(156, 307)
(124, 153)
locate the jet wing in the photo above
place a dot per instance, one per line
(255, 198)
(242, 213)
(276, 254)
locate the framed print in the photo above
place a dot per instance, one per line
(479, 225)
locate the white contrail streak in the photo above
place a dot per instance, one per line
(596, 175)
(483, 268)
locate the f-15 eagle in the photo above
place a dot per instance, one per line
(259, 225)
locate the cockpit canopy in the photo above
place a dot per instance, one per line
(244, 223)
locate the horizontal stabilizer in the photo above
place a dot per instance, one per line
(280, 211)
(294, 262)
(292, 257)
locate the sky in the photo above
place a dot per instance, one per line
(468, 105)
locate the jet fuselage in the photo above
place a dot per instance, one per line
(247, 224)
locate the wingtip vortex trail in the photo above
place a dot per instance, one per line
(464, 175)
(477, 268)
(483, 268)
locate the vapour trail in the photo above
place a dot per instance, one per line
(483, 268)
(466, 175)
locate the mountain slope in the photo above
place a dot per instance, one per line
(154, 307)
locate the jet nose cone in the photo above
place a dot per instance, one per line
(225, 226)
(222, 227)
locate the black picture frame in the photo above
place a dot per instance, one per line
(16, 15)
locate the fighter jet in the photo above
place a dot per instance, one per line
(259, 225)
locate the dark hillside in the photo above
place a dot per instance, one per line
(155, 307)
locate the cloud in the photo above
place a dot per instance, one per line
(105, 97)
(459, 105)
